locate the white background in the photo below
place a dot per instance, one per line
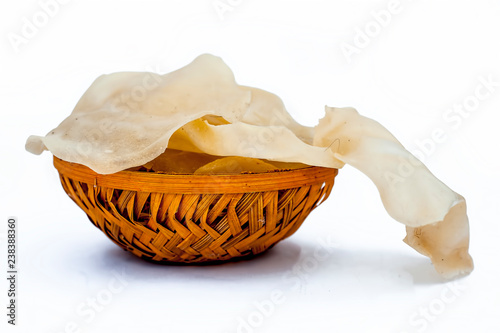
(427, 58)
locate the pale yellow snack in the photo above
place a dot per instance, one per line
(235, 165)
(179, 162)
(446, 242)
(126, 119)
(435, 216)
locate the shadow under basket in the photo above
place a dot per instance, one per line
(196, 218)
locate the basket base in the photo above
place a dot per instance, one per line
(247, 257)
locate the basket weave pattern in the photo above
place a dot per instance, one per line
(189, 219)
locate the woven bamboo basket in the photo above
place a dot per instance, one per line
(196, 218)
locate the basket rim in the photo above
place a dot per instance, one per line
(193, 184)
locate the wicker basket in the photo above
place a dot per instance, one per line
(196, 218)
